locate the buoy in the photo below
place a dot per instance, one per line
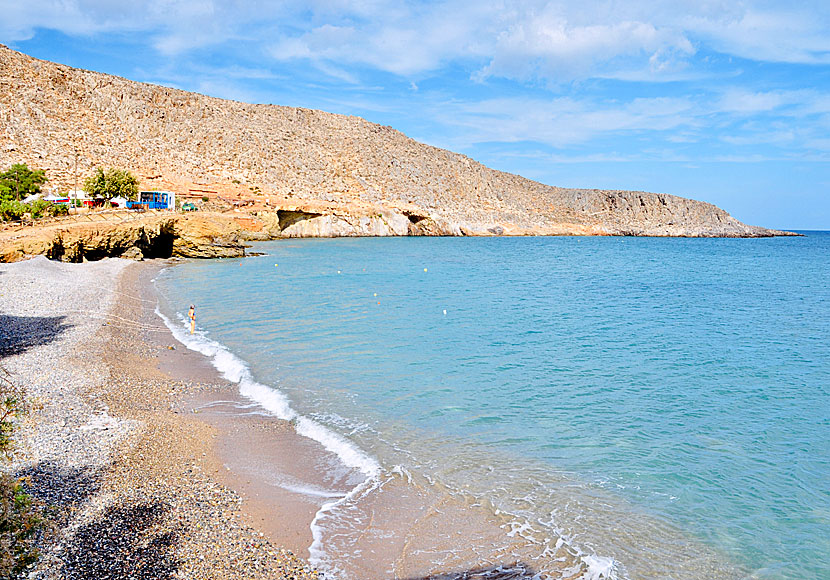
(445, 312)
(378, 302)
(425, 269)
(338, 271)
(375, 294)
(275, 265)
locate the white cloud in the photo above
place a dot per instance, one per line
(522, 39)
(787, 103)
(549, 46)
(788, 122)
(791, 33)
(402, 39)
(562, 122)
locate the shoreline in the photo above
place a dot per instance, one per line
(131, 476)
(212, 483)
(416, 519)
(283, 477)
(287, 482)
(211, 234)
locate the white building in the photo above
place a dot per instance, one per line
(77, 194)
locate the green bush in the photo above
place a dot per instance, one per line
(21, 522)
(56, 209)
(21, 526)
(12, 210)
(38, 207)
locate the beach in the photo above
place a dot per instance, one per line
(115, 444)
(151, 462)
(343, 405)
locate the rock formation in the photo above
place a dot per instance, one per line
(152, 236)
(293, 157)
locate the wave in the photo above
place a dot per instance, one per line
(235, 370)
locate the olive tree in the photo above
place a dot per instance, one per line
(112, 183)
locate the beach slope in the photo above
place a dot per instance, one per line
(129, 472)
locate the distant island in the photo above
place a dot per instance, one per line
(295, 172)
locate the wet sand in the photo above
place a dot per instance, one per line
(282, 477)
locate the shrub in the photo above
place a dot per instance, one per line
(21, 526)
(12, 407)
(12, 210)
(21, 522)
(38, 207)
(204, 198)
(56, 209)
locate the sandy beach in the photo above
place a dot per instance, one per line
(133, 441)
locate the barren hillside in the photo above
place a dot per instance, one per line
(186, 141)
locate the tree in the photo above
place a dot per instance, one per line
(20, 181)
(112, 183)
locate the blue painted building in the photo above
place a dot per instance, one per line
(155, 200)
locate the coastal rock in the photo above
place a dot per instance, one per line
(200, 236)
(305, 224)
(276, 156)
(133, 253)
(122, 235)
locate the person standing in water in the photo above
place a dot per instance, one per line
(191, 314)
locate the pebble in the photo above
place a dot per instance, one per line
(127, 494)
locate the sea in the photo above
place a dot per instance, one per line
(541, 407)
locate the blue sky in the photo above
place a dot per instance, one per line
(724, 101)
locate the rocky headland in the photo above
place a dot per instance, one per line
(303, 172)
(119, 234)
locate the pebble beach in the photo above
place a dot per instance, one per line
(125, 467)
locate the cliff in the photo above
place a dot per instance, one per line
(120, 234)
(286, 157)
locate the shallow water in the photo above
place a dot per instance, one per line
(632, 407)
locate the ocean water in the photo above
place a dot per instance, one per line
(570, 407)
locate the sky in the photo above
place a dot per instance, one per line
(723, 101)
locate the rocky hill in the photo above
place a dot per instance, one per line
(295, 158)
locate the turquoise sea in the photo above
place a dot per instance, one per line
(651, 408)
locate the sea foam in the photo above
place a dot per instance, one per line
(234, 369)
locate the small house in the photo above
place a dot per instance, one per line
(155, 200)
(55, 199)
(77, 194)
